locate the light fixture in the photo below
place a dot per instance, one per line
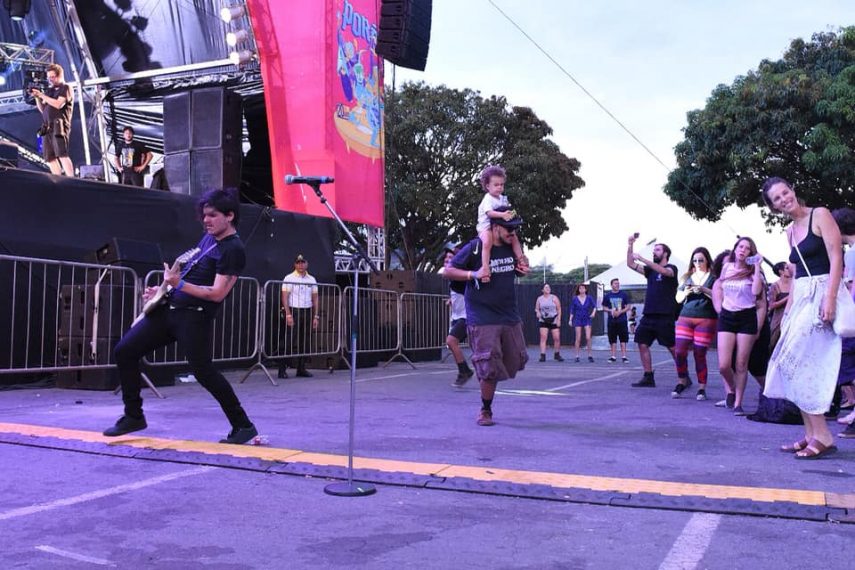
(232, 13)
(234, 38)
(241, 57)
(2, 79)
(18, 9)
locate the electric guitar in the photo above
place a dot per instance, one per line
(160, 296)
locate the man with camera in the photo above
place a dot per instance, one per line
(55, 104)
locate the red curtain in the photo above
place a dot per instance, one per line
(323, 86)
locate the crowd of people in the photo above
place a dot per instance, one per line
(782, 334)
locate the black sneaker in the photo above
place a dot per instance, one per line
(283, 373)
(240, 435)
(577, 359)
(625, 359)
(126, 424)
(462, 378)
(590, 359)
(542, 358)
(738, 411)
(849, 432)
(644, 383)
(730, 400)
(612, 359)
(303, 373)
(558, 357)
(678, 389)
(702, 395)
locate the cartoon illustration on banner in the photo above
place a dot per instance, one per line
(359, 108)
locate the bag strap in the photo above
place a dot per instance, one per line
(803, 259)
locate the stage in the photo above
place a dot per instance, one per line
(61, 218)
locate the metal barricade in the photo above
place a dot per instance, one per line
(303, 338)
(235, 334)
(378, 327)
(425, 319)
(60, 316)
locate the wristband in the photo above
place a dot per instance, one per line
(180, 285)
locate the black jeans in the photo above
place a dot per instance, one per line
(130, 177)
(297, 339)
(193, 330)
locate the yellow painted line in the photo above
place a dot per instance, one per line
(561, 480)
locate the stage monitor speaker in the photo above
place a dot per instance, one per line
(141, 256)
(176, 122)
(404, 34)
(8, 155)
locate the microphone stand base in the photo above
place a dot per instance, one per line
(350, 489)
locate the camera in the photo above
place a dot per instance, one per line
(754, 259)
(34, 78)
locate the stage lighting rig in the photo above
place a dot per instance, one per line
(232, 13)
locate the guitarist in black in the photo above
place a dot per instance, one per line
(187, 317)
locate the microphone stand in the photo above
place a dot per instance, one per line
(349, 488)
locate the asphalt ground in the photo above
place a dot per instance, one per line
(580, 471)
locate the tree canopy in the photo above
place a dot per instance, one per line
(437, 142)
(793, 118)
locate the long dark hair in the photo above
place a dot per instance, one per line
(703, 251)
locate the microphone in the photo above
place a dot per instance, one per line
(290, 179)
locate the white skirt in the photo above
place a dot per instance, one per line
(805, 363)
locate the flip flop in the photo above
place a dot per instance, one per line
(797, 446)
(816, 450)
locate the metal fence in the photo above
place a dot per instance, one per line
(61, 315)
(235, 333)
(67, 316)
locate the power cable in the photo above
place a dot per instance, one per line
(605, 109)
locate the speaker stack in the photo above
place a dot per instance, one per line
(404, 34)
(202, 132)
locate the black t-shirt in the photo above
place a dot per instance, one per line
(612, 300)
(493, 303)
(226, 257)
(130, 154)
(661, 292)
(50, 113)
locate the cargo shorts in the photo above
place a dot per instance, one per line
(498, 351)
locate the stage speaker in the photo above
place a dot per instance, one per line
(404, 34)
(217, 118)
(8, 155)
(202, 140)
(141, 256)
(176, 122)
(176, 171)
(214, 168)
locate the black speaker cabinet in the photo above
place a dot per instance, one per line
(202, 140)
(8, 155)
(141, 256)
(404, 34)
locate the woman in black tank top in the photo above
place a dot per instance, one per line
(804, 365)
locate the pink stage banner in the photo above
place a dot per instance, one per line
(323, 88)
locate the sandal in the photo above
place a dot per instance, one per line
(816, 450)
(797, 446)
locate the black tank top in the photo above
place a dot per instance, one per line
(814, 252)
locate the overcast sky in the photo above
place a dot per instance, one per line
(648, 63)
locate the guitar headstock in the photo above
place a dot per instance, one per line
(187, 255)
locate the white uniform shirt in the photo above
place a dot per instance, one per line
(300, 290)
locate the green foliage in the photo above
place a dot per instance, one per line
(437, 142)
(793, 118)
(576, 275)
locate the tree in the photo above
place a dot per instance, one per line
(576, 275)
(793, 118)
(438, 140)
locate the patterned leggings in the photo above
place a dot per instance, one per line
(698, 335)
